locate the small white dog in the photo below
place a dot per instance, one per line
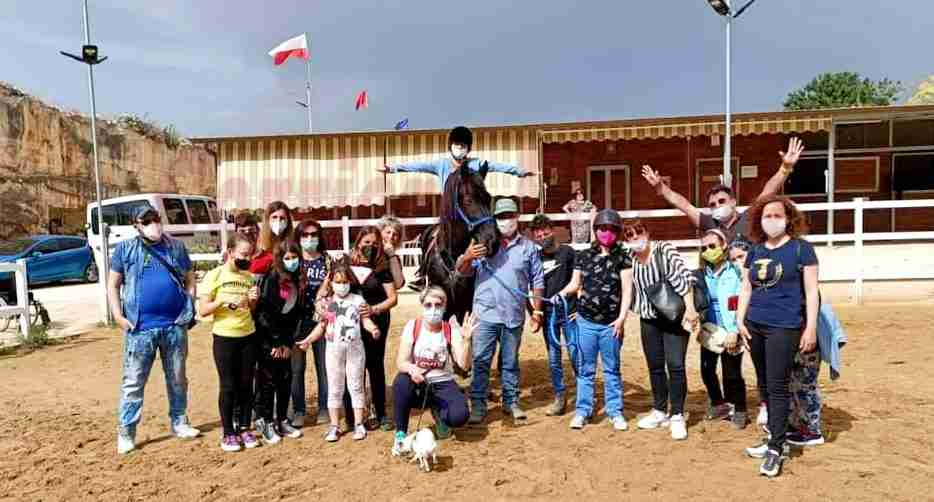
(423, 447)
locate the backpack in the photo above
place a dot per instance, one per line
(445, 327)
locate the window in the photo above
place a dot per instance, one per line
(913, 133)
(212, 208)
(46, 247)
(914, 172)
(863, 135)
(110, 217)
(814, 141)
(175, 212)
(68, 244)
(126, 211)
(199, 211)
(808, 178)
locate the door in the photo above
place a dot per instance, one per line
(608, 187)
(40, 262)
(73, 257)
(709, 174)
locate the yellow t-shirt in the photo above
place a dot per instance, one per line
(229, 287)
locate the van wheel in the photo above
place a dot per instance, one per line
(90, 273)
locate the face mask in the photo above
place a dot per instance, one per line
(433, 315)
(548, 244)
(277, 226)
(639, 245)
(606, 237)
(458, 152)
(722, 213)
(310, 243)
(713, 256)
(153, 232)
(242, 264)
(773, 227)
(369, 252)
(507, 227)
(341, 289)
(290, 265)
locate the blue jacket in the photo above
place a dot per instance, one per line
(129, 259)
(444, 166)
(726, 284)
(830, 338)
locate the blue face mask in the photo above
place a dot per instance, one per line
(291, 265)
(433, 315)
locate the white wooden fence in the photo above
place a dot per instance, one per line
(858, 205)
(21, 308)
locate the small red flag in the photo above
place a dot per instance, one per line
(362, 101)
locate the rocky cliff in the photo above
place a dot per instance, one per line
(46, 163)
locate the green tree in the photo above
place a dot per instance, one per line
(843, 90)
(924, 95)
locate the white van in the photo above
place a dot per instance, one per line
(190, 218)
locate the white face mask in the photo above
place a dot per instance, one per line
(458, 152)
(277, 226)
(507, 227)
(722, 213)
(341, 289)
(310, 244)
(153, 231)
(433, 315)
(638, 246)
(773, 227)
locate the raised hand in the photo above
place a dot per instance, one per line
(790, 158)
(652, 177)
(385, 169)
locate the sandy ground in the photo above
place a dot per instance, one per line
(58, 417)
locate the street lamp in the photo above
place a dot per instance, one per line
(722, 7)
(90, 57)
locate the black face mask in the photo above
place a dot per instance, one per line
(369, 252)
(242, 264)
(548, 244)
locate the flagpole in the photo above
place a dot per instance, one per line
(308, 86)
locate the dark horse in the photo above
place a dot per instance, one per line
(465, 217)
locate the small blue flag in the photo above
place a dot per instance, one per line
(402, 124)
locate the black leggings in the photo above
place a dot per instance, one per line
(274, 383)
(446, 396)
(665, 345)
(235, 359)
(375, 367)
(734, 387)
(773, 354)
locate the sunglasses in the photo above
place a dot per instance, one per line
(309, 234)
(149, 220)
(429, 305)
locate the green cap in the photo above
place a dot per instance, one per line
(505, 205)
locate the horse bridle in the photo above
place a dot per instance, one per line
(471, 224)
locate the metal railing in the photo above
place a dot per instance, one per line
(858, 237)
(21, 309)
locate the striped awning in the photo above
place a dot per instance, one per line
(517, 146)
(679, 130)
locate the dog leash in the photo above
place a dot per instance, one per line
(418, 424)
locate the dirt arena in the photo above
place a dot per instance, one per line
(58, 443)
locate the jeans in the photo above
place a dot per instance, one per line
(486, 336)
(445, 396)
(552, 335)
(665, 346)
(773, 353)
(734, 386)
(235, 359)
(598, 339)
(139, 353)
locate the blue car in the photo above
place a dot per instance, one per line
(50, 258)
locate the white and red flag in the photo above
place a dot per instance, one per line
(362, 101)
(293, 47)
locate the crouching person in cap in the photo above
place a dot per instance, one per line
(151, 287)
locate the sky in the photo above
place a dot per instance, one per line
(203, 67)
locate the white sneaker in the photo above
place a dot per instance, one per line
(286, 430)
(679, 429)
(654, 420)
(359, 432)
(619, 423)
(184, 430)
(125, 443)
(759, 450)
(333, 434)
(578, 422)
(763, 419)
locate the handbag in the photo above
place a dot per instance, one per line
(176, 277)
(662, 295)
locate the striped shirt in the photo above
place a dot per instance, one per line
(644, 275)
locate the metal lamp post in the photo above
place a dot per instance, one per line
(722, 7)
(90, 57)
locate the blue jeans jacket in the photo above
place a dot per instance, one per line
(129, 259)
(442, 168)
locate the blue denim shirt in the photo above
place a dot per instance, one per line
(443, 167)
(129, 258)
(721, 287)
(519, 266)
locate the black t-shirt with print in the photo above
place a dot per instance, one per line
(601, 288)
